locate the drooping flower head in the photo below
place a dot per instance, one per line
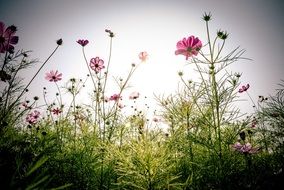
(32, 118)
(134, 95)
(7, 38)
(97, 64)
(53, 76)
(188, 47)
(143, 56)
(244, 88)
(82, 42)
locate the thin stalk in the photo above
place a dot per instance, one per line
(26, 87)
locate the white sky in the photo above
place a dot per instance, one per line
(152, 26)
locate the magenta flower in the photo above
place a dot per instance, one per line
(134, 95)
(53, 76)
(188, 47)
(82, 42)
(115, 97)
(143, 56)
(97, 64)
(32, 118)
(244, 88)
(7, 38)
(56, 111)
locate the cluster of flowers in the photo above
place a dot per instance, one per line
(33, 117)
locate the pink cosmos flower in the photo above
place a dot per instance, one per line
(134, 95)
(188, 47)
(56, 111)
(245, 149)
(32, 118)
(82, 42)
(25, 105)
(7, 38)
(97, 64)
(115, 97)
(244, 88)
(143, 56)
(53, 76)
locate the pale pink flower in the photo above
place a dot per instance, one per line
(7, 38)
(25, 105)
(188, 47)
(245, 149)
(134, 95)
(143, 56)
(53, 76)
(120, 105)
(82, 42)
(32, 118)
(237, 146)
(115, 97)
(244, 88)
(97, 64)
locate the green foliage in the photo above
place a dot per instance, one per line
(96, 146)
(147, 164)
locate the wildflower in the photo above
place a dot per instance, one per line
(143, 56)
(56, 111)
(254, 122)
(53, 76)
(97, 64)
(115, 97)
(134, 95)
(244, 88)
(188, 47)
(245, 149)
(83, 42)
(7, 38)
(32, 118)
(237, 146)
(120, 105)
(25, 105)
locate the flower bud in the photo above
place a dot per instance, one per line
(59, 42)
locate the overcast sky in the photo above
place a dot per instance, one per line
(152, 26)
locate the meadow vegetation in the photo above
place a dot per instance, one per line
(208, 144)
